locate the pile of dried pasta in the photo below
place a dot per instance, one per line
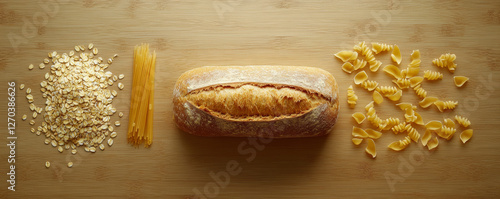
(140, 127)
(405, 79)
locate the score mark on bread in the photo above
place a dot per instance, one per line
(254, 101)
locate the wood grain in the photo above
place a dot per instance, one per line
(189, 34)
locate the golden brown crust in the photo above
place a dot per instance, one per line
(315, 87)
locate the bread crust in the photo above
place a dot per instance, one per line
(198, 120)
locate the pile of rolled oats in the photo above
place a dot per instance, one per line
(78, 100)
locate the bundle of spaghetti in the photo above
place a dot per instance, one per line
(140, 127)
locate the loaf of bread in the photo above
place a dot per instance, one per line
(256, 101)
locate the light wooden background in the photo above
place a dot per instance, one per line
(189, 34)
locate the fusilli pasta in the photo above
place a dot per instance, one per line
(400, 144)
(369, 85)
(379, 47)
(444, 105)
(420, 91)
(352, 98)
(462, 121)
(433, 75)
(368, 53)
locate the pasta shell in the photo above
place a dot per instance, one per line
(396, 55)
(419, 120)
(415, 81)
(396, 96)
(370, 148)
(433, 143)
(466, 135)
(360, 77)
(346, 55)
(358, 117)
(369, 105)
(373, 133)
(460, 80)
(427, 101)
(357, 141)
(415, 55)
(393, 71)
(433, 125)
(377, 97)
(358, 132)
(347, 67)
(427, 136)
(449, 123)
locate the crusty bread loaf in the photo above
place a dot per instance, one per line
(256, 101)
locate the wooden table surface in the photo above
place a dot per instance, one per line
(189, 34)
